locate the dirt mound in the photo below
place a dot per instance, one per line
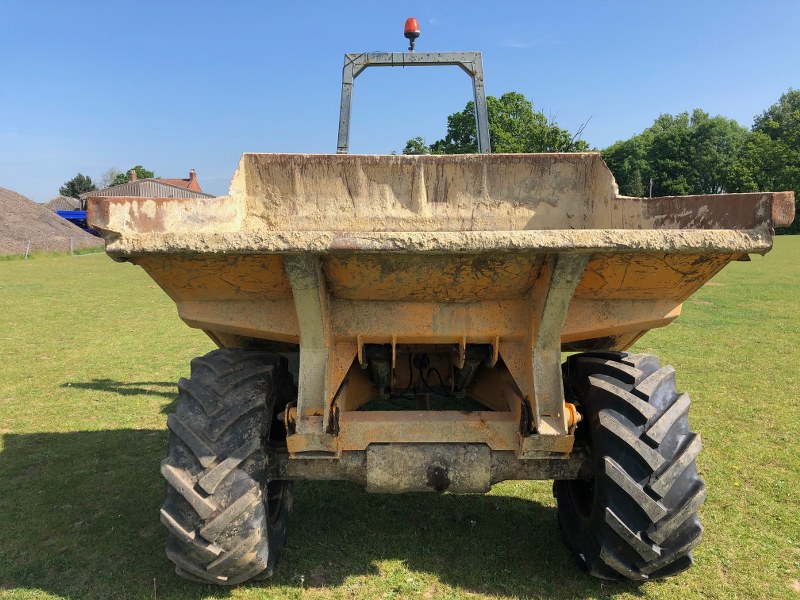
(22, 220)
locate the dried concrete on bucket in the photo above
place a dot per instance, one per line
(323, 242)
(422, 193)
(287, 203)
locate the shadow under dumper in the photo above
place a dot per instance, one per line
(162, 389)
(81, 520)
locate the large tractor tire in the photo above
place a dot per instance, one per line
(226, 522)
(637, 518)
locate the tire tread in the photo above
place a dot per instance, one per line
(642, 518)
(214, 510)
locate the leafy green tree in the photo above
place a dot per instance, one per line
(416, 146)
(514, 126)
(628, 161)
(774, 153)
(462, 134)
(716, 146)
(77, 185)
(682, 154)
(141, 173)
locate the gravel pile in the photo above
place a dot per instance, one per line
(23, 220)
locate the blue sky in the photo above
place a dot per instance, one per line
(85, 86)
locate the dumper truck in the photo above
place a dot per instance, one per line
(400, 322)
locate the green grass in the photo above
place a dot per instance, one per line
(91, 350)
(39, 254)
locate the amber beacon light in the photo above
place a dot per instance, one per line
(411, 31)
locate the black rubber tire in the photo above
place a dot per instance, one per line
(226, 523)
(637, 518)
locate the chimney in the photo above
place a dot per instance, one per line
(132, 175)
(193, 185)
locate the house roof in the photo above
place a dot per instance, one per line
(189, 184)
(63, 203)
(148, 188)
(154, 187)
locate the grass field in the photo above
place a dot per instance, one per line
(90, 353)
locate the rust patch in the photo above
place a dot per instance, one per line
(443, 278)
(219, 277)
(498, 430)
(648, 276)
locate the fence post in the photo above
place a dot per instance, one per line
(28, 250)
(70, 246)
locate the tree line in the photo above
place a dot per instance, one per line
(688, 153)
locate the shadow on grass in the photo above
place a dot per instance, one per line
(81, 520)
(163, 389)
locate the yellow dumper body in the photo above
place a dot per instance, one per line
(454, 283)
(527, 255)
